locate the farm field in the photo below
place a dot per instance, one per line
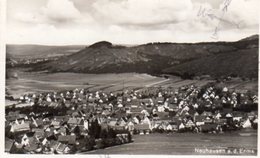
(186, 144)
(31, 82)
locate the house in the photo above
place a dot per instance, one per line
(38, 133)
(252, 115)
(119, 99)
(218, 116)
(9, 145)
(24, 127)
(129, 126)
(181, 126)
(136, 120)
(118, 128)
(121, 122)
(32, 145)
(169, 127)
(106, 113)
(246, 124)
(63, 130)
(174, 125)
(160, 100)
(62, 149)
(142, 128)
(206, 113)
(67, 139)
(52, 144)
(163, 115)
(208, 127)
(229, 115)
(38, 123)
(160, 108)
(162, 125)
(56, 124)
(49, 132)
(155, 124)
(46, 121)
(173, 107)
(237, 116)
(145, 101)
(75, 121)
(221, 121)
(208, 119)
(112, 123)
(199, 120)
(146, 120)
(189, 124)
(145, 112)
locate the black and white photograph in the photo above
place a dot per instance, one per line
(130, 77)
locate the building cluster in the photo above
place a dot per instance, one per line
(78, 120)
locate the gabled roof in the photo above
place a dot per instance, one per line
(238, 114)
(136, 110)
(112, 123)
(61, 147)
(141, 126)
(75, 121)
(163, 115)
(206, 113)
(207, 127)
(53, 144)
(8, 144)
(70, 139)
(159, 99)
(39, 133)
(56, 123)
(21, 127)
(200, 118)
(32, 144)
(221, 121)
(39, 122)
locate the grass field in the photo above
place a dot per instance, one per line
(31, 82)
(40, 82)
(185, 144)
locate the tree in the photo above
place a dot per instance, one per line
(111, 133)
(95, 129)
(103, 134)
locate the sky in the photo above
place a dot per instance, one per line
(70, 22)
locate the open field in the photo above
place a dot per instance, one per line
(40, 82)
(30, 82)
(186, 143)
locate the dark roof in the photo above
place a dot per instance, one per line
(221, 121)
(208, 127)
(32, 144)
(70, 139)
(75, 121)
(141, 126)
(199, 118)
(61, 147)
(39, 122)
(39, 133)
(136, 110)
(163, 115)
(8, 144)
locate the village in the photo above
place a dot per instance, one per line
(79, 120)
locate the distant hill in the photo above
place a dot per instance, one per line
(39, 51)
(217, 59)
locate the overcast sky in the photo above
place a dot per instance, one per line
(60, 22)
